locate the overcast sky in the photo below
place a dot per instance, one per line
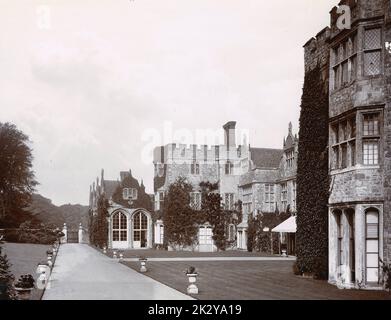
(88, 80)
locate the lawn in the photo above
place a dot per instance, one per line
(24, 259)
(150, 253)
(250, 280)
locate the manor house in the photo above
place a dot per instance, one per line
(264, 180)
(356, 65)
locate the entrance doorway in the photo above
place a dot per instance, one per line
(140, 230)
(120, 231)
(205, 239)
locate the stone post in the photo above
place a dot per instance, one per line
(64, 239)
(80, 233)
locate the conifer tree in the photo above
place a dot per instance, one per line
(6, 277)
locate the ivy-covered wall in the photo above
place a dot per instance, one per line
(312, 174)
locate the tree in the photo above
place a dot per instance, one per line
(212, 212)
(98, 224)
(180, 225)
(6, 277)
(17, 180)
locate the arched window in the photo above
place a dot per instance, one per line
(372, 245)
(120, 227)
(140, 229)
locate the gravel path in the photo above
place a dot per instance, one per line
(82, 273)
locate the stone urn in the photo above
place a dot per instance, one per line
(192, 275)
(283, 253)
(43, 267)
(43, 270)
(104, 250)
(23, 293)
(121, 256)
(50, 253)
(143, 265)
(50, 263)
(192, 288)
(115, 254)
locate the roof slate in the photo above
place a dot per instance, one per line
(266, 158)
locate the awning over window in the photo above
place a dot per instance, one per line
(288, 226)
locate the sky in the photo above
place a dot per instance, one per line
(96, 84)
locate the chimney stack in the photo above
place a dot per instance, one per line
(229, 134)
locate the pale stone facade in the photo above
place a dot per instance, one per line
(262, 179)
(359, 141)
(270, 183)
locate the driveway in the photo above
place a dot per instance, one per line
(82, 273)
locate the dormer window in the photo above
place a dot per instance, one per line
(129, 193)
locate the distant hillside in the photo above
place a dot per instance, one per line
(43, 209)
(74, 214)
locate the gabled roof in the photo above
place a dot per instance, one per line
(109, 187)
(266, 158)
(290, 142)
(291, 139)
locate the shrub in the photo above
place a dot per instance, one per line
(25, 282)
(386, 268)
(259, 240)
(27, 234)
(6, 278)
(296, 270)
(191, 270)
(253, 226)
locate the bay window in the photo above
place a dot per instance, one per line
(344, 139)
(371, 138)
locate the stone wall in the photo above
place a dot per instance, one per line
(188, 153)
(316, 51)
(356, 185)
(387, 138)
